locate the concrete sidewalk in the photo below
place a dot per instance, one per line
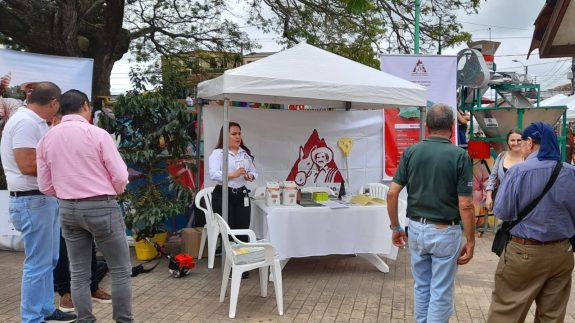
(316, 289)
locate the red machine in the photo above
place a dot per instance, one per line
(179, 265)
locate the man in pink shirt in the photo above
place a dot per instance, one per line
(80, 165)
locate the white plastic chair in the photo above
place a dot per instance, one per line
(402, 211)
(378, 190)
(260, 192)
(264, 258)
(211, 231)
(313, 189)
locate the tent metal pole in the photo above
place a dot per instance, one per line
(422, 115)
(225, 148)
(199, 109)
(416, 33)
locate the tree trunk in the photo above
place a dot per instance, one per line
(74, 28)
(106, 51)
(101, 78)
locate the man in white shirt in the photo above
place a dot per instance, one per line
(33, 214)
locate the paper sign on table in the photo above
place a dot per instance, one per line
(334, 205)
(364, 200)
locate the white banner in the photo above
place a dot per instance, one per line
(303, 145)
(439, 75)
(66, 72)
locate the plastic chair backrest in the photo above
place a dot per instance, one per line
(402, 211)
(226, 232)
(378, 190)
(206, 195)
(260, 192)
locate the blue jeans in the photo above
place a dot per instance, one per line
(102, 222)
(434, 252)
(36, 217)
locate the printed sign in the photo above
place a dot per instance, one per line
(315, 165)
(401, 129)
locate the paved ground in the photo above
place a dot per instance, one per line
(316, 289)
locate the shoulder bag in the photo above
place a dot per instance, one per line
(503, 234)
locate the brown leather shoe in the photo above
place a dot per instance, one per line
(66, 304)
(101, 296)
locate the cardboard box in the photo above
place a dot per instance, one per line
(320, 196)
(289, 193)
(273, 194)
(191, 239)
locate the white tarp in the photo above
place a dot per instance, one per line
(308, 75)
(67, 72)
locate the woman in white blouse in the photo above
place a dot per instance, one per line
(240, 170)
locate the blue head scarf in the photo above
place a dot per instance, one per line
(544, 135)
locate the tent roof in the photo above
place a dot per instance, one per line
(561, 99)
(308, 75)
(554, 100)
(553, 33)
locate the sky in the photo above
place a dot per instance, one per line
(507, 21)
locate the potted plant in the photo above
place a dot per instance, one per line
(153, 133)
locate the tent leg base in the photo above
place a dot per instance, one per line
(375, 260)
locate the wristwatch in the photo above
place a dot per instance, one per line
(396, 228)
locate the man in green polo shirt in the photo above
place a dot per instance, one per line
(439, 181)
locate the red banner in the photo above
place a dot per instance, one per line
(401, 131)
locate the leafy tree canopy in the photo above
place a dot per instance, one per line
(361, 29)
(106, 29)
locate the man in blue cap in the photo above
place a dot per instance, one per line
(537, 263)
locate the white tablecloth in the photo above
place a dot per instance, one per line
(297, 231)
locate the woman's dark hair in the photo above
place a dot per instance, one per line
(512, 131)
(220, 143)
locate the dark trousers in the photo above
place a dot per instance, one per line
(62, 271)
(238, 214)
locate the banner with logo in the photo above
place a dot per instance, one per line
(66, 72)
(305, 146)
(401, 129)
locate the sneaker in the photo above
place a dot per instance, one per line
(101, 296)
(66, 304)
(59, 316)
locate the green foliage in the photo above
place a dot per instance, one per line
(358, 6)
(105, 30)
(14, 92)
(362, 29)
(153, 130)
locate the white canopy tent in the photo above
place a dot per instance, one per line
(308, 75)
(561, 99)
